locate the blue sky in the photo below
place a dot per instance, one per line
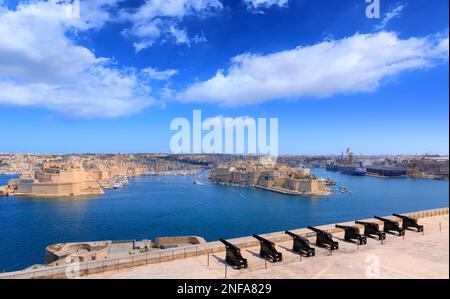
(113, 80)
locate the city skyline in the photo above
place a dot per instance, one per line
(112, 80)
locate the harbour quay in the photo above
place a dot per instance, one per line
(415, 254)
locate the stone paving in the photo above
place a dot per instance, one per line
(415, 256)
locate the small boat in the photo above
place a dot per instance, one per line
(117, 186)
(122, 179)
(330, 182)
(343, 189)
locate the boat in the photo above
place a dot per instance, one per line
(353, 170)
(330, 182)
(117, 186)
(122, 179)
(343, 189)
(386, 171)
(331, 167)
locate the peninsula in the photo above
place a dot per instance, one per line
(271, 176)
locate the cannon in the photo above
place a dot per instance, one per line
(267, 250)
(301, 245)
(408, 222)
(372, 229)
(352, 233)
(391, 225)
(233, 256)
(324, 239)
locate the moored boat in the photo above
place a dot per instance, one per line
(387, 171)
(353, 170)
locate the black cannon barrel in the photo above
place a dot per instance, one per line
(367, 224)
(404, 217)
(291, 234)
(301, 245)
(267, 250)
(391, 225)
(408, 222)
(324, 239)
(261, 239)
(317, 230)
(295, 236)
(372, 229)
(364, 222)
(313, 228)
(233, 256)
(344, 226)
(352, 233)
(228, 244)
(384, 219)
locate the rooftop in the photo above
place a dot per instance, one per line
(416, 256)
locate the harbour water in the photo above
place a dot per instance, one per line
(167, 206)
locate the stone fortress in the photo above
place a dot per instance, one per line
(268, 175)
(57, 179)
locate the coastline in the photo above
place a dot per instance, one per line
(292, 192)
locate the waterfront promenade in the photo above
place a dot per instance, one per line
(415, 256)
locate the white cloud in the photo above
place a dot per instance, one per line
(95, 13)
(157, 19)
(159, 75)
(394, 13)
(40, 66)
(355, 64)
(259, 4)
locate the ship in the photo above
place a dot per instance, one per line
(353, 170)
(386, 171)
(332, 167)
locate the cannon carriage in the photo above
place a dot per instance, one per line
(391, 226)
(267, 250)
(301, 245)
(408, 222)
(233, 256)
(352, 233)
(324, 239)
(372, 229)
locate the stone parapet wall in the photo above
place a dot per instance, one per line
(186, 251)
